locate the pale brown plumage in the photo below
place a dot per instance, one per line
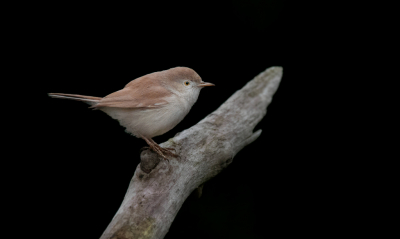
(134, 96)
(149, 105)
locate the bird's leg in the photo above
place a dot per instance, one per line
(166, 151)
(159, 150)
(154, 147)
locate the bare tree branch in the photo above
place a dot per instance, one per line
(159, 188)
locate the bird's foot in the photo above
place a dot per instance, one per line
(168, 152)
(163, 152)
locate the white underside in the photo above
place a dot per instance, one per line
(150, 122)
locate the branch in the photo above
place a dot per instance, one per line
(159, 188)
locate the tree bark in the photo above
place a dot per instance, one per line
(159, 188)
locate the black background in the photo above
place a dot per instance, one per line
(287, 182)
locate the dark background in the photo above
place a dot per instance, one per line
(288, 182)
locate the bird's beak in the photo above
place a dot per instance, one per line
(204, 84)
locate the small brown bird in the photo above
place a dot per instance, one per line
(150, 105)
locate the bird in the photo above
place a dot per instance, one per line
(150, 105)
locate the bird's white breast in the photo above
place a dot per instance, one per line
(154, 121)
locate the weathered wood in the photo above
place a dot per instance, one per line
(159, 188)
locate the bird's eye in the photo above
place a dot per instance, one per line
(187, 83)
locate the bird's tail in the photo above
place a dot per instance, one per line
(91, 100)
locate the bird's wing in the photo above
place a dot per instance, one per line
(139, 93)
